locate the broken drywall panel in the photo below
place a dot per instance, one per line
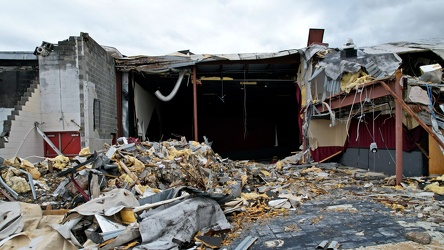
(144, 103)
(418, 95)
(323, 134)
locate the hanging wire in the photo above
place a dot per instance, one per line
(430, 95)
(385, 144)
(245, 107)
(349, 115)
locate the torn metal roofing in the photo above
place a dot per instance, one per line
(434, 45)
(379, 65)
(379, 61)
(180, 59)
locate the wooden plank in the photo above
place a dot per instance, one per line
(331, 156)
(6, 194)
(55, 212)
(436, 158)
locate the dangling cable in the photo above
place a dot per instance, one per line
(245, 107)
(222, 96)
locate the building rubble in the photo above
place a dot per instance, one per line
(180, 194)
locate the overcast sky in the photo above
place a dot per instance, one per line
(148, 27)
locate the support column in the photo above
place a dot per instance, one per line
(196, 136)
(399, 130)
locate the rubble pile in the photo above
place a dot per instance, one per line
(178, 195)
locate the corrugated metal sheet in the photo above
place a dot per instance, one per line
(434, 45)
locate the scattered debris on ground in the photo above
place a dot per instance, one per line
(181, 195)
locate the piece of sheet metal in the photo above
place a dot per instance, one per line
(31, 183)
(246, 243)
(12, 221)
(322, 245)
(107, 225)
(333, 245)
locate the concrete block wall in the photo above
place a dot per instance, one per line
(24, 141)
(72, 76)
(98, 81)
(59, 82)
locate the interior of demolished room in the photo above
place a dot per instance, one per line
(246, 105)
(333, 104)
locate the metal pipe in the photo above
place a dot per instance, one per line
(246, 243)
(322, 245)
(174, 91)
(196, 136)
(398, 122)
(333, 245)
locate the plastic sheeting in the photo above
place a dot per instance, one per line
(108, 204)
(181, 222)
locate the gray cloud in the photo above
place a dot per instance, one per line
(232, 26)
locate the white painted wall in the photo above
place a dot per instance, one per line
(24, 141)
(60, 100)
(144, 105)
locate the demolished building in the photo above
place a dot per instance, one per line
(252, 106)
(133, 179)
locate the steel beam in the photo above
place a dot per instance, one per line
(398, 126)
(196, 136)
(340, 101)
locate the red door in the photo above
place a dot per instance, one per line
(67, 142)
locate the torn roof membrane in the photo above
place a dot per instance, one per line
(177, 60)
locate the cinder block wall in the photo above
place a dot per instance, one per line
(59, 84)
(98, 92)
(75, 74)
(23, 137)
